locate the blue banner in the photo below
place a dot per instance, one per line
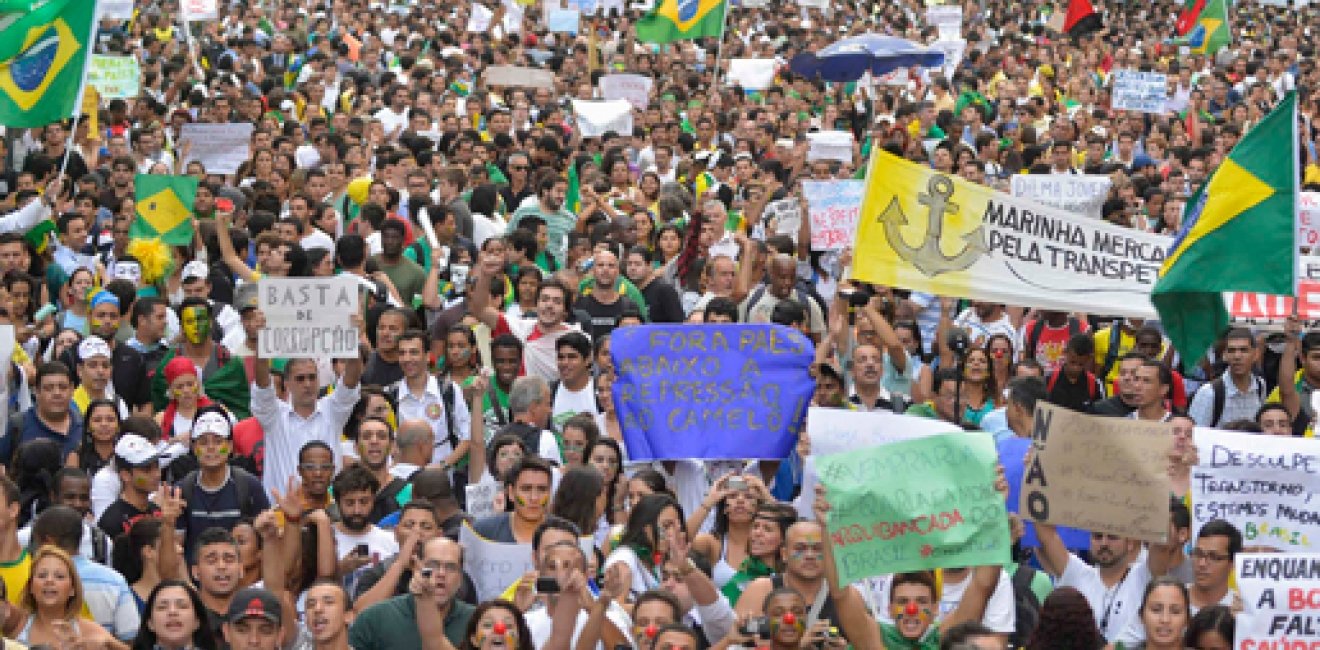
(711, 391)
(1012, 451)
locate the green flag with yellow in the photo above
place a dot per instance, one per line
(1239, 234)
(44, 49)
(164, 208)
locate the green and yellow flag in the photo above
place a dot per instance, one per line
(1239, 234)
(1209, 31)
(676, 20)
(164, 208)
(44, 49)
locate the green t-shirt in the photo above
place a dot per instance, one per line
(893, 640)
(392, 624)
(407, 276)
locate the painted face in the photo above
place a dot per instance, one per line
(196, 322)
(498, 629)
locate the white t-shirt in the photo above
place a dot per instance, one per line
(381, 544)
(570, 402)
(1114, 609)
(539, 622)
(1000, 612)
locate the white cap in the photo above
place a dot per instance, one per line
(135, 450)
(195, 270)
(211, 421)
(93, 346)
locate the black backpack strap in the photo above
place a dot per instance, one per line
(1033, 339)
(500, 416)
(100, 540)
(188, 485)
(447, 396)
(1219, 391)
(1111, 355)
(243, 489)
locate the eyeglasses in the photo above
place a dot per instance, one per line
(1209, 556)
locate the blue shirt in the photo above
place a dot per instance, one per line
(109, 599)
(33, 428)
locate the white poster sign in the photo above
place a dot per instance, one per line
(634, 88)
(1144, 92)
(115, 77)
(494, 566)
(479, 19)
(200, 10)
(1280, 601)
(833, 207)
(830, 145)
(947, 19)
(481, 498)
(117, 9)
(1261, 484)
(519, 76)
(954, 49)
(565, 21)
(598, 117)
(1076, 193)
(221, 148)
(308, 318)
(751, 74)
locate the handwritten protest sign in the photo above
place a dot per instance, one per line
(833, 207)
(493, 566)
(598, 117)
(677, 384)
(1261, 484)
(115, 76)
(914, 505)
(1099, 474)
(308, 318)
(836, 431)
(946, 19)
(1145, 92)
(199, 10)
(633, 87)
(1012, 452)
(481, 498)
(1264, 311)
(1280, 601)
(751, 74)
(1076, 193)
(221, 148)
(830, 145)
(480, 18)
(517, 76)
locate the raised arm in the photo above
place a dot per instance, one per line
(474, 395)
(888, 337)
(859, 627)
(227, 252)
(479, 304)
(1288, 367)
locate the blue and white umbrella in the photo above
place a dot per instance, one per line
(851, 58)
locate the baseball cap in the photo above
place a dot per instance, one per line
(135, 451)
(195, 270)
(254, 602)
(93, 346)
(211, 419)
(245, 296)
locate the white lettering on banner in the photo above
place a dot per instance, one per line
(1280, 601)
(835, 431)
(1077, 193)
(1265, 311)
(494, 566)
(1145, 92)
(1262, 485)
(633, 87)
(308, 318)
(221, 148)
(833, 207)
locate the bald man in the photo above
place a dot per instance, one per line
(782, 286)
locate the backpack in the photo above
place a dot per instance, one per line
(100, 542)
(1220, 393)
(1026, 604)
(1091, 382)
(446, 396)
(242, 485)
(802, 297)
(1033, 339)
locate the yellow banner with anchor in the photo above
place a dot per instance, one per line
(923, 230)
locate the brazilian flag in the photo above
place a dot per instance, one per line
(164, 208)
(676, 20)
(44, 50)
(1239, 234)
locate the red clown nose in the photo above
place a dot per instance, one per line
(911, 609)
(789, 619)
(651, 631)
(499, 628)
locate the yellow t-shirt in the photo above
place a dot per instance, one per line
(16, 574)
(1125, 344)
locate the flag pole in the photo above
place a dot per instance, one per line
(719, 49)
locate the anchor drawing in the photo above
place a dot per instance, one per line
(929, 258)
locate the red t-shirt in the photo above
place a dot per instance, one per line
(1053, 341)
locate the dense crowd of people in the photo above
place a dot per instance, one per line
(168, 488)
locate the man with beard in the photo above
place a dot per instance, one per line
(418, 524)
(407, 276)
(217, 494)
(1113, 586)
(383, 364)
(359, 542)
(328, 613)
(429, 609)
(549, 205)
(375, 446)
(804, 571)
(1129, 393)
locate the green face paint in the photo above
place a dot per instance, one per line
(196, 322)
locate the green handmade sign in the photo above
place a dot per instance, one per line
(914, 505)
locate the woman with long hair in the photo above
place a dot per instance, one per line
(581, 498)
(53, 599)
(764, 543)
(174, 619)
(734, 499)
(497, 624)
(668, 244)
(606, 456)
(980, 393)
(525, 285)
(76, 300)
(134, 557)
(101, 430)
(462, 358)
(1000, 349)
(579, 433)
(1066, 623)
(1165, 615)
(642, 547)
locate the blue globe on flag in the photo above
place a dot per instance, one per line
(31, 68)
(687, 9)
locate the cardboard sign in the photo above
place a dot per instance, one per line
(516, 76)
(1099, 474)
(1077, 193)
(1280, 601)
(115, 77)
(221, 148)
(833, 207)
(634, 88)
(915, 505)
(1261, 484)
(677, 383)
(1144, 92)
(308, 318)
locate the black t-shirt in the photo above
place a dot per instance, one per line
(603, 316)
(662, 302)
(380, 372)
(1113, 407)
(1076, 395)
(220, 509)
(121, 515)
